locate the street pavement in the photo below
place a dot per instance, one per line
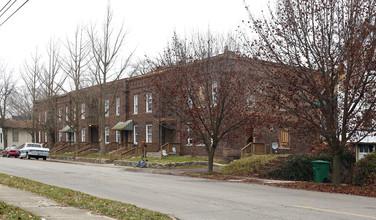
(192, 198)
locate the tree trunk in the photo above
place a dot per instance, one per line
(50, 141)
(102, 144)
(5, 137)
(211, 159)
(337, 165)
(77, 146)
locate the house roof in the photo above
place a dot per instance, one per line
(127, 126)
(8, 123)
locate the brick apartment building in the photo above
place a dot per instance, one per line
(133, 115)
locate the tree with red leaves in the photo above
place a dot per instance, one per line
(207, 89)
(323, 72)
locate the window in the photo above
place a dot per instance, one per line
(107, 108)
(190, 102)
(118, 136)
(83, 135)
(60, 136)
(1, 137)
(15, 135)
(39, 136)
(135, 104)
(214, 93)
(189, 139)
(67, 137)
(251, 101)
(66, 113)
(135, 134)
(366, 112)
(117, 106)
(60, 113)
(107, 135)
(74, 113)
(365, 148)
(149, 134)
(149, 102)
(39, 118)
(284, 138)
(45, 137)
(83, 111)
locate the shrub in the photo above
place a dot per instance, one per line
(297, 167)
(365, 169)
(247, 166)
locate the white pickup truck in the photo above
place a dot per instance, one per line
(35, 150)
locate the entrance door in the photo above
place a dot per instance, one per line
(94, 134)
(167, 135)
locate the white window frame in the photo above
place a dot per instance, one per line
(117, 136)
(135, 134)
(189, 139)
(83, 135)
(117, 112)
(74, 113)
(39, 136)
(149, 134)
(60, 136)
(45, 137)
(66, 113)
(83, 111)
(106, 108)
(214, 93)
(149, 102)
(60, 113)
(135, 104)
(45, 117)
(107, 135)
(251, 100)
(190, 102)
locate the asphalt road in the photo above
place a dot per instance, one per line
(193, 198)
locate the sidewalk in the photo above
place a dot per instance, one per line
(44, 207)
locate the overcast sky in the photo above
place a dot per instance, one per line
(149, 23)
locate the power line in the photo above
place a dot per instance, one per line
(14, 12)
(8, 8)
(5, 6)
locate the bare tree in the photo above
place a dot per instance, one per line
(26, 99)
(51, 84)
(75, 65)
(323, 72)
(205, 87)
(107, 66)
(7, 86)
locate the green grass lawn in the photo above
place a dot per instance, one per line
(174, 159)
(67, 197)
(93, 155)
(12, 212)
(168, 159)
(247, 166)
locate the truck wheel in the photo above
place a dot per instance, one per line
(44, 158)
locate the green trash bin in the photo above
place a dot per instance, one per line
(320, 171)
